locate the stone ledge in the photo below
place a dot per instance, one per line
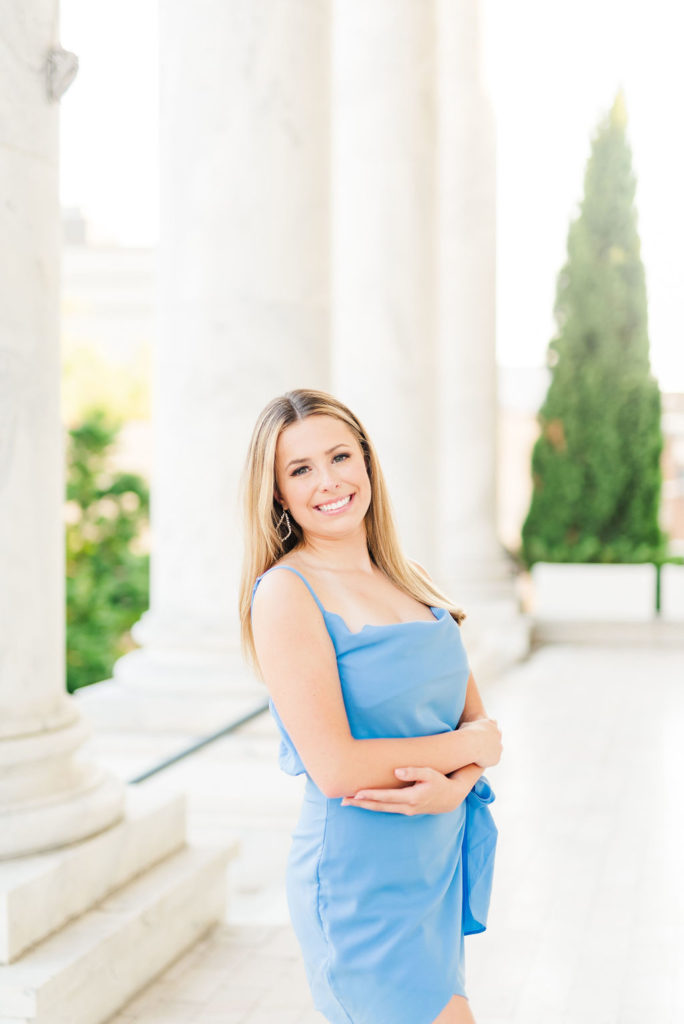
(593, 591)
(622, 634)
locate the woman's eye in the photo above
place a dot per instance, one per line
(340, 455)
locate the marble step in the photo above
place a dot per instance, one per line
(86, 971)
(40, 893)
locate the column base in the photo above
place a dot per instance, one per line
(64, 819)
(48, 798)
(192, 687)
(57, 713)
(196, 672)
(114, 708)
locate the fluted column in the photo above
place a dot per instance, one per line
(383, 242)
(472, 563)
(243, 301)
(47, 797)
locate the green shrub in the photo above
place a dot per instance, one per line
(107, 581)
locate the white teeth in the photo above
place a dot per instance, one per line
(334, 504)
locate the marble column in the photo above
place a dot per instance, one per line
(472, 563)
(48, 798)
(383, 243)
(243, 304)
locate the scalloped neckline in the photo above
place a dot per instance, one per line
(391, 625)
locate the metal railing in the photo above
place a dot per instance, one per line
(203, 742)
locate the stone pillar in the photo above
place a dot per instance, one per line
(47, 797)
(472, 563)
(383, 243)
(244, 303)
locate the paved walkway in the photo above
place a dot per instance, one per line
(246, 974)
(587, 916)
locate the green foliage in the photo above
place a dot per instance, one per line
(596, 465)
(107, 581)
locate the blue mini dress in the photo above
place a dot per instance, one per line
(380, 901)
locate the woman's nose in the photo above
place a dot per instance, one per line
(328, 477)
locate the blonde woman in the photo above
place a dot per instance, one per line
(371, 690)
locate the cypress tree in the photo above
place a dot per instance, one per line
(596, 464)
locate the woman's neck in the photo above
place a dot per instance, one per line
(342, 554)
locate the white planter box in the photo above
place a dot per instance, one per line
(593, 592)
(672, 592)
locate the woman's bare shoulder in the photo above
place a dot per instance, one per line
(283, 596)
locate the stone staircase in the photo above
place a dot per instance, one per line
(85, 927)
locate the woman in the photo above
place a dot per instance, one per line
(370, 687)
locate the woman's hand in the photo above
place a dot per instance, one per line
(431, 793)
(488, 741)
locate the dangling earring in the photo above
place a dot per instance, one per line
(287, 521)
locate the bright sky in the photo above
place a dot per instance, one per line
(109, 118)
(553, 70)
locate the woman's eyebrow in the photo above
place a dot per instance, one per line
(292, 462)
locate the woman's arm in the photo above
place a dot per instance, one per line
(372, 762)
(299, 666)
(430, 794)
(473, 708)
(473, 711)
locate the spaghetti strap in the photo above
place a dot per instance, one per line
(292, 569)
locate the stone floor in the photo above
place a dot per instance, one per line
(236, 974)
(587, 918)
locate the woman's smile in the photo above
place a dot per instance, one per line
(334, 508)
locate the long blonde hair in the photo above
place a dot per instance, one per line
(263, 545)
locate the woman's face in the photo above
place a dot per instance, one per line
(319, 464)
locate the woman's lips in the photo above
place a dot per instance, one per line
(334, 511)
